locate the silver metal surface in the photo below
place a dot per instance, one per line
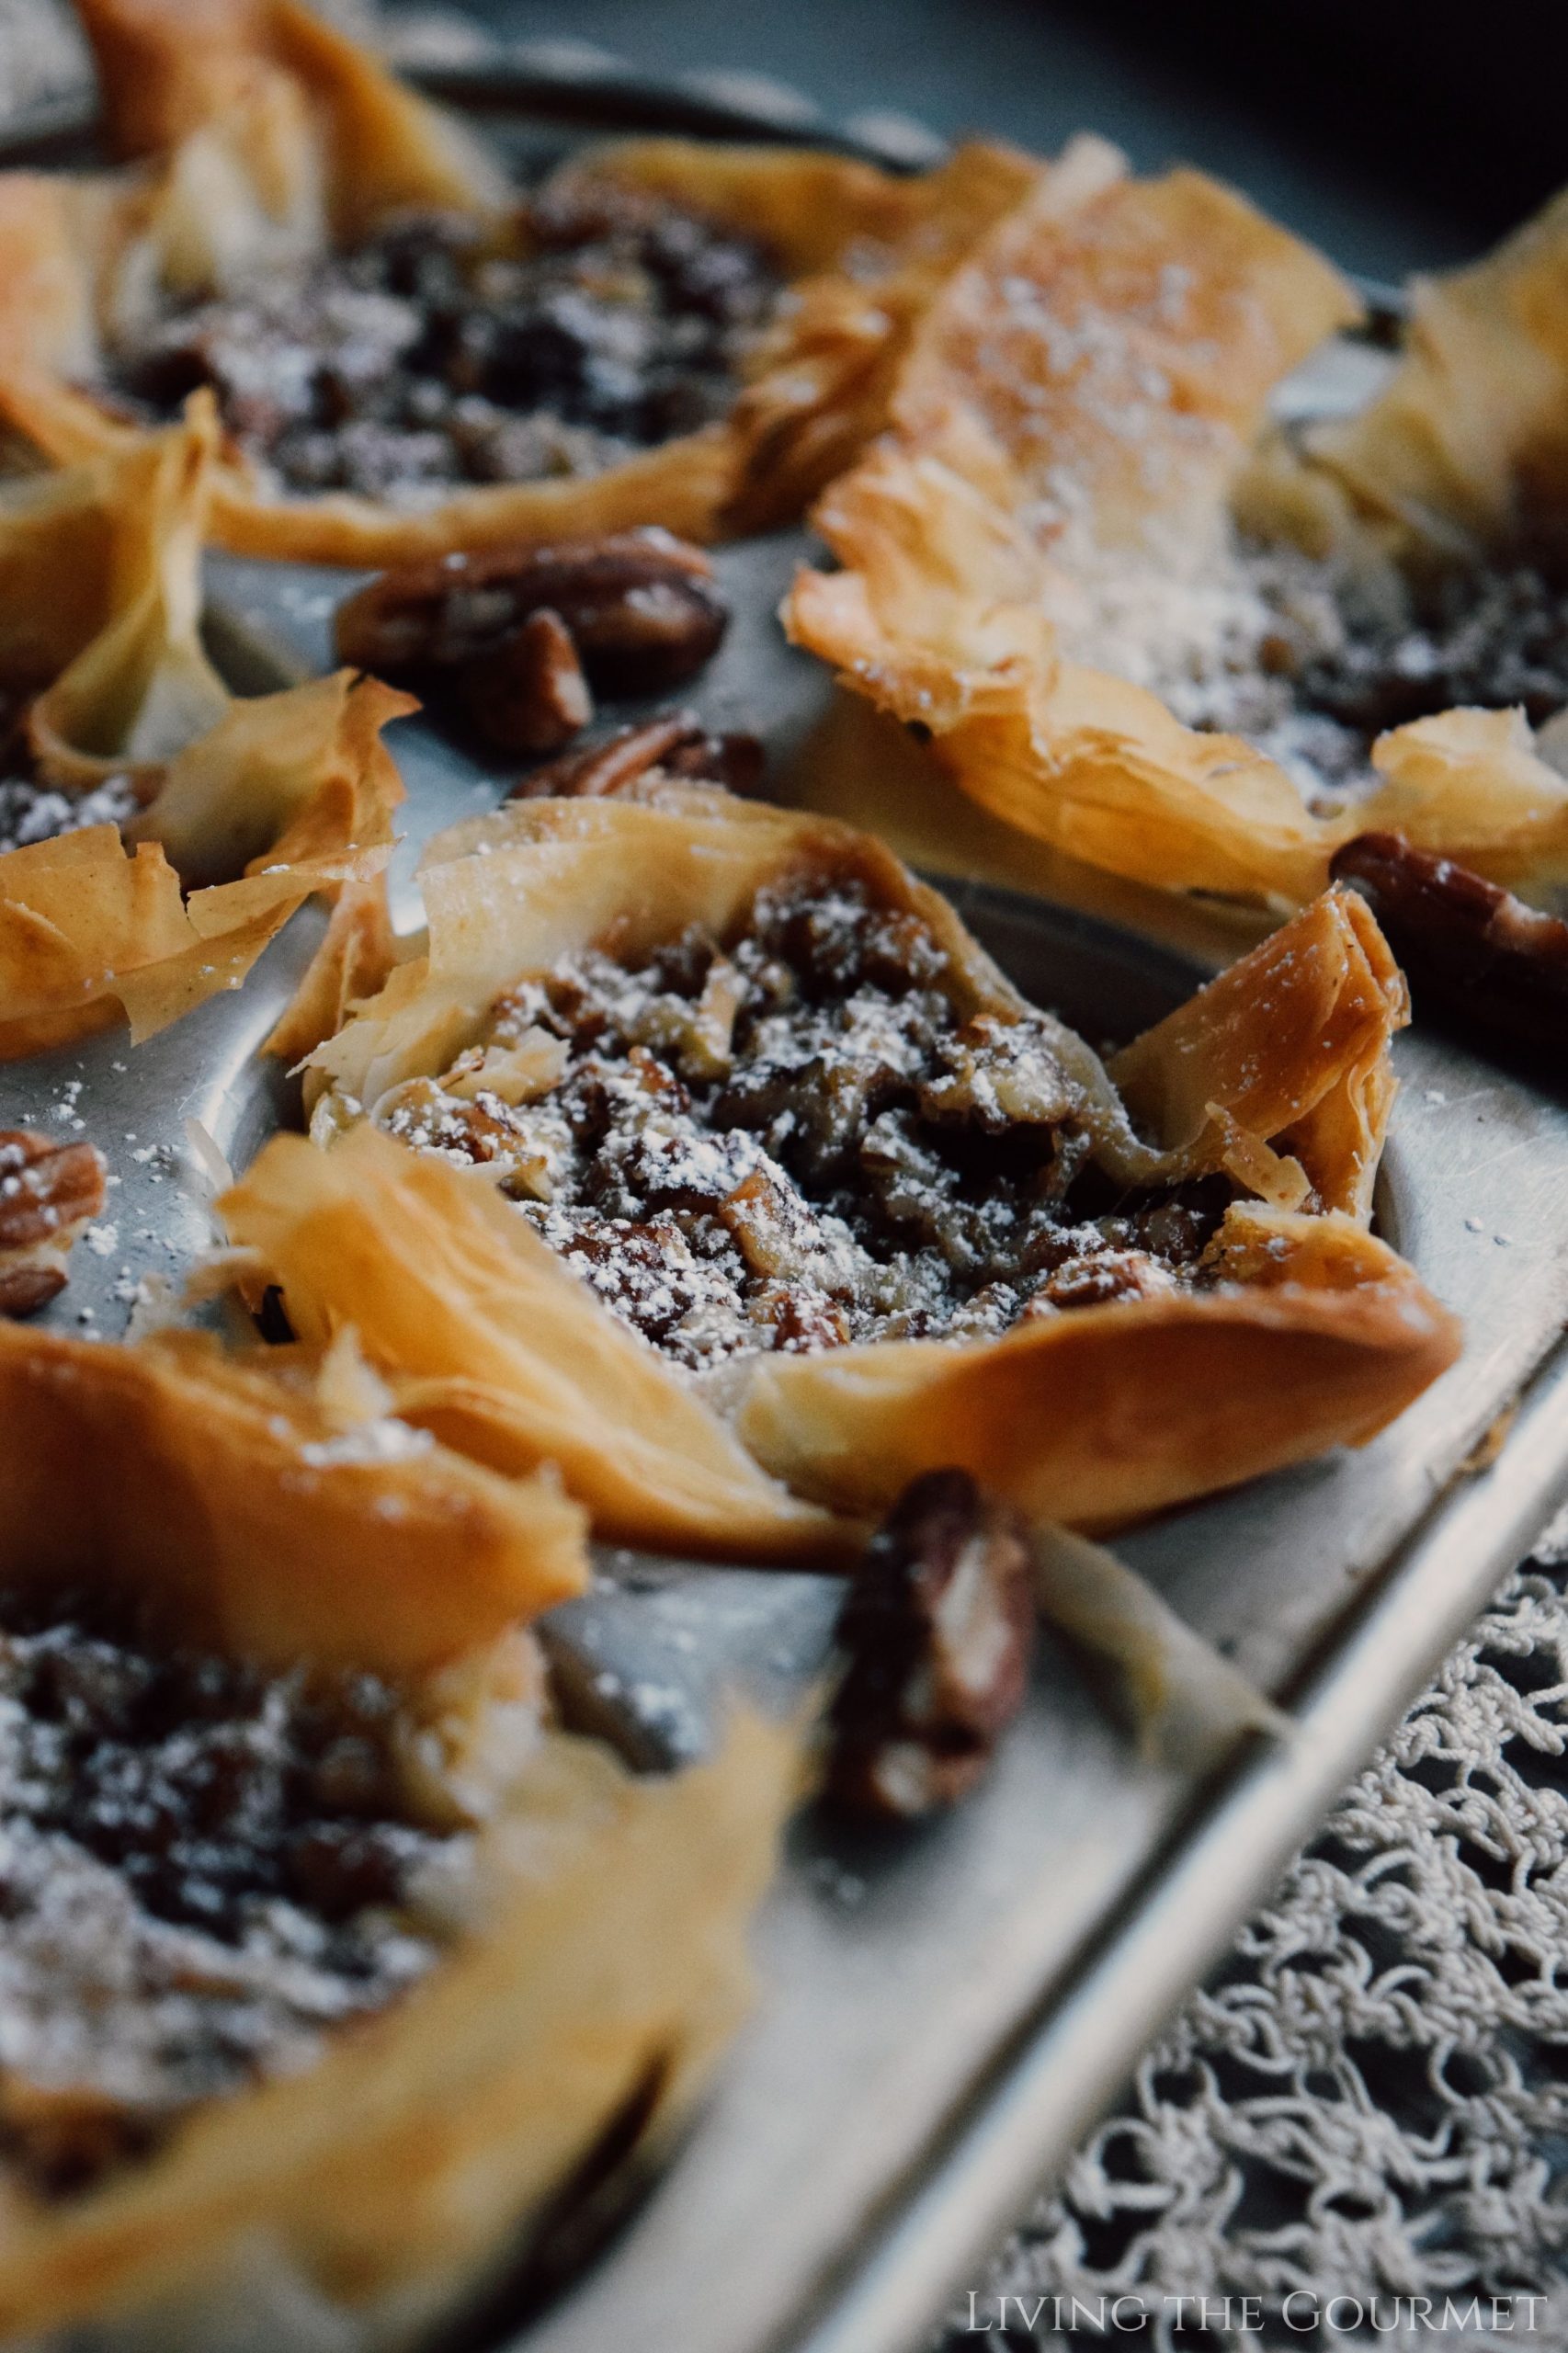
(944, 2011)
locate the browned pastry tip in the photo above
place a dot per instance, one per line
(1465, 943)
(678, 744)
(48, 1193)
(638, 610)
(938, 1630)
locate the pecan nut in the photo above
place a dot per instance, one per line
(640, 609)
(527, 693)
(938, 1630)
(48, 1193)
(675, 745)
(1466, 945)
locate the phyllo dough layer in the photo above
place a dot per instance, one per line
(155, 832)
(1148, 628)
(411, 357)
(745, 1186)
(325, 1960)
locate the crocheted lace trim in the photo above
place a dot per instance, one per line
(1369, 2099)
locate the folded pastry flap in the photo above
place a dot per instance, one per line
(358, 954)
(1470, 784)
(51, 237)
(489, 1341)
(606, 1971)
(78, 915)
(245, 1514)
(812, 210)
(1292, 1042)
(1100, 768)
(282, 780)
(87, 923)
(512, 893)
(1101, 1415)
(939, 617)
(1155, 314)
(1467, 441)
(941, 589)
(134, 687)
(242, 66)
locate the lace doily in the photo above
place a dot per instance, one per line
(1369, 2099)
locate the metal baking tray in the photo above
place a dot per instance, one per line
(943, 2012)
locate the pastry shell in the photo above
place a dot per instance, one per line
(265, 134)
(1081, 410)
(1277, 1073)
(596, 1966)
(209, 1468)
(250, 807)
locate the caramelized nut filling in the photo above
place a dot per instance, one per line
(1312, 661)
(203, 1869)
(795, 1139)
(613, 321)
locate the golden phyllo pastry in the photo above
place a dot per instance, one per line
(410, 356)
(155, 833)
(323, 1960)
(1149, 629)
(703, 1151)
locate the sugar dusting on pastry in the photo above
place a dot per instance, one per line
(205, 1869)
(427, 358)
(798, 1141)
(1310, 660)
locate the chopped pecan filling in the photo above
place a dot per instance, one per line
(435, 355)
(32, 811)
(795, 1139)
(203, 1869)
(1312, 661)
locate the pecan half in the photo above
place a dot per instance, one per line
(678, 744)
(938, 1630)
(528, 694)
(48, 1193)
(1466, 944)
(639, 607)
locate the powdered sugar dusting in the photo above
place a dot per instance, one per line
(795, 1138)
(205, 1871)
(31, 812)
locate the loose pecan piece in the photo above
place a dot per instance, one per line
(640, 607)
(528, 694)
(1466, 944)
(48, 1193)
(677, 744)
(938, 1630)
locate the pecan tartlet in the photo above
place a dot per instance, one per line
(316, 1938)
(412, 354)
(1149, 626)
(732, 1154)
